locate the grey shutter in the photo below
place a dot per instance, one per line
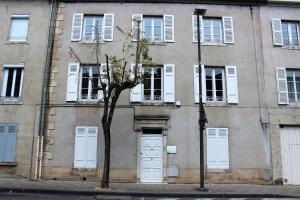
(10, 143)
(72, 82)
(228, 30)
(277, 32)
(195, 28)
(134, 26)
(282, 88)
(169, 28)
(136, 92)
(2, 141)
(76, 34)
(108, 27)
(169, 83)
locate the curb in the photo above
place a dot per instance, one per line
(141, 194)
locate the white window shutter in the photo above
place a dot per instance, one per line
(212, 158)
(277, 32)
(76, 34)
(169, 83)
(282, 88)
(134, 26)
(228, 30)
(80, 147)
(108, 27)
(222, 148)
(91, 147)
(72, 82)
(136, 92)
(203, 83)
(196, 83)
(195, 28)
(232, 85)
(169, 28)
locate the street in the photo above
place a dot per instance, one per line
(28, 196)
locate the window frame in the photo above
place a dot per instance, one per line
(212, 35)
(214, 91)
(296, 99)
(290, 38)
(152, 99)
(5, 79)
(90, 85)
(153, 27)
(16, 17)
(93, 32)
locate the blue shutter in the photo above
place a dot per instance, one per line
(10, 143)
(2, 142)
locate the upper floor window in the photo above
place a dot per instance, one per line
(153, 83)
(213, 30)
(293, 83)
(218, 84)
(285, 33)
(19, 28)
(12, 82)
(89, 80)
(153, 28)
(84, 27)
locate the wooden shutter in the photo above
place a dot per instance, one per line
(222, 148)
(232, 85)
(217, 148)
(2, 141)
(134, 26)
(195, 29)
(169, 28)
(76, 34)
(228, 30)
(277, 32)
(282, 88)
(169, 83)
(108, 27)
(136, 92)
(91, 147)
(10, 143)
(72, 82)
(80, 147)
(196, 84)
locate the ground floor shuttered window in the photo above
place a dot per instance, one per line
(8, 138)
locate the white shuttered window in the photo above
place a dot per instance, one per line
(282, 88)
(85, 154)
(217, 148)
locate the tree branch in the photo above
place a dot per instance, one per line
(74, 54)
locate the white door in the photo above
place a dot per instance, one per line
(151, 158)
(290, 151)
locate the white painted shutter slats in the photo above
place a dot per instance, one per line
(195, 30)
(277, 32)
(134, 25)
(203, 83)
(169, 28)
(108, 27)
(136, 92)
(282, 88)
(228, 30)
(169, 83)
(232, 85)
(2, 142)
(76, 34)
(196, 84)
(72, 82)
(91, 147)
(80, 143)
(217, 148)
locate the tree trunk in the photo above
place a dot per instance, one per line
(107, 142)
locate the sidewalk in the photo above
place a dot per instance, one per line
(132, 189)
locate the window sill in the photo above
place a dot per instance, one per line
(92, 42)
(16, 42)
(218, 170)
(8, 164)
(291, 47)
(211, 44)
(10, 102)
(84, 169)
(82, 101)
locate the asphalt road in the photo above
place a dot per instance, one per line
(25, 196)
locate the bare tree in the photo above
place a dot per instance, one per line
(114, 77)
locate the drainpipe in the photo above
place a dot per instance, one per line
(45, 89)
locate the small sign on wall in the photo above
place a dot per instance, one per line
(171, 149)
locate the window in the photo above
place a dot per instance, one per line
(290, 33)
(85, 154)
(153, 28)
(84, 27)
(217, 148)
(89, 82)
(92, 24)
(12, 82)
(19, 28)
(153, 84)
(8, 137)
(215, 84)
(293, 83)
(212, 28)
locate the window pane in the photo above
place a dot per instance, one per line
(18, 82)
(98, 20)
(285, 33)
(19, 27)
(208, 73)
(219, 95)
(9, 82)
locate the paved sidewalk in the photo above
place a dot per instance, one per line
(132, 189)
